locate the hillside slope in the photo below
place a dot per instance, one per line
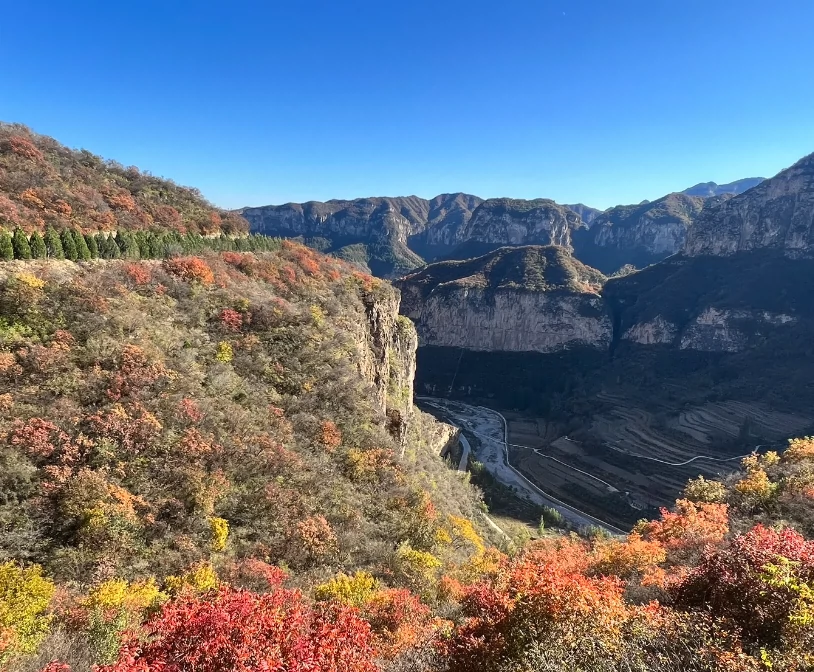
(44, 183)
(142, 401)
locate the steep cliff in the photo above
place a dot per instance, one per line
(639, 234)
(372, 232)
(777, 214)
(713, 304)
(508, 221)
(514, 299)
(586, 213)
(448, 214)
(386, 343)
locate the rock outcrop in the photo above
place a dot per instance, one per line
(508, 221)
(586, 213)
(777, 214)
(514, 299)
(386, 343)
(639, 234)
(378, 233)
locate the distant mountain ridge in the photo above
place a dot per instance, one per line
(707, 189)
(641, 234)
(392, 236)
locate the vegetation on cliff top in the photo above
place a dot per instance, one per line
(531, 268)
(44, 183)
(203, 418)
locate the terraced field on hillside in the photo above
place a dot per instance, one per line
(627, 460)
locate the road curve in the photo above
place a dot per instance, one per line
(491, 427)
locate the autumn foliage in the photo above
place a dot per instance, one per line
(191, 269)
(183, 442)
(45, 184)
(239, 631)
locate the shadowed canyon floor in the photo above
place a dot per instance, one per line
(621, 462)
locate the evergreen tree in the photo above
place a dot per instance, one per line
(109, 249)
(81, 246)
(68, 245)
(37, 245)
(6, 246)
(115, 246)
(90, 241)
(53, 245)
(156, 245)
(20, 243)
(100, 245)
(143, 245)
(128, 245)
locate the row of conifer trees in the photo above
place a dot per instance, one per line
(74, 245)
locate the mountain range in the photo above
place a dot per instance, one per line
(392, 236)
(216, 460)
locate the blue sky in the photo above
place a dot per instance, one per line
(599, 101)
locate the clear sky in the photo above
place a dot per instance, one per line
(598, 101)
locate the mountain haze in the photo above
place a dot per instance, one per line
(706, 189)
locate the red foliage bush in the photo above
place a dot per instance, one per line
(139, 273)
(188, 410)
(692, 525)
(330, 436)
(231, 319)
(732, 583)
(239, 631)
(254, 574)
(399, 620)
(135, 373)
(132, 428)
(540, 594)
(22, 146)
(56, 666)
(191, 269)
(37, 437)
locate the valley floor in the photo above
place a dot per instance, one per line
(624, 462)
(486, 432)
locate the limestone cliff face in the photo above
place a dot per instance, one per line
(386, 344)
(364, 218)
(777, 214)
(511, 320)
(713, 330)
(639, 234)
(514, 299)
(507, 221)
(651, 332)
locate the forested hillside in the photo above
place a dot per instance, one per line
(45, 184)
(164, 423)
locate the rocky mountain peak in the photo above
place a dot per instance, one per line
(776, 214)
